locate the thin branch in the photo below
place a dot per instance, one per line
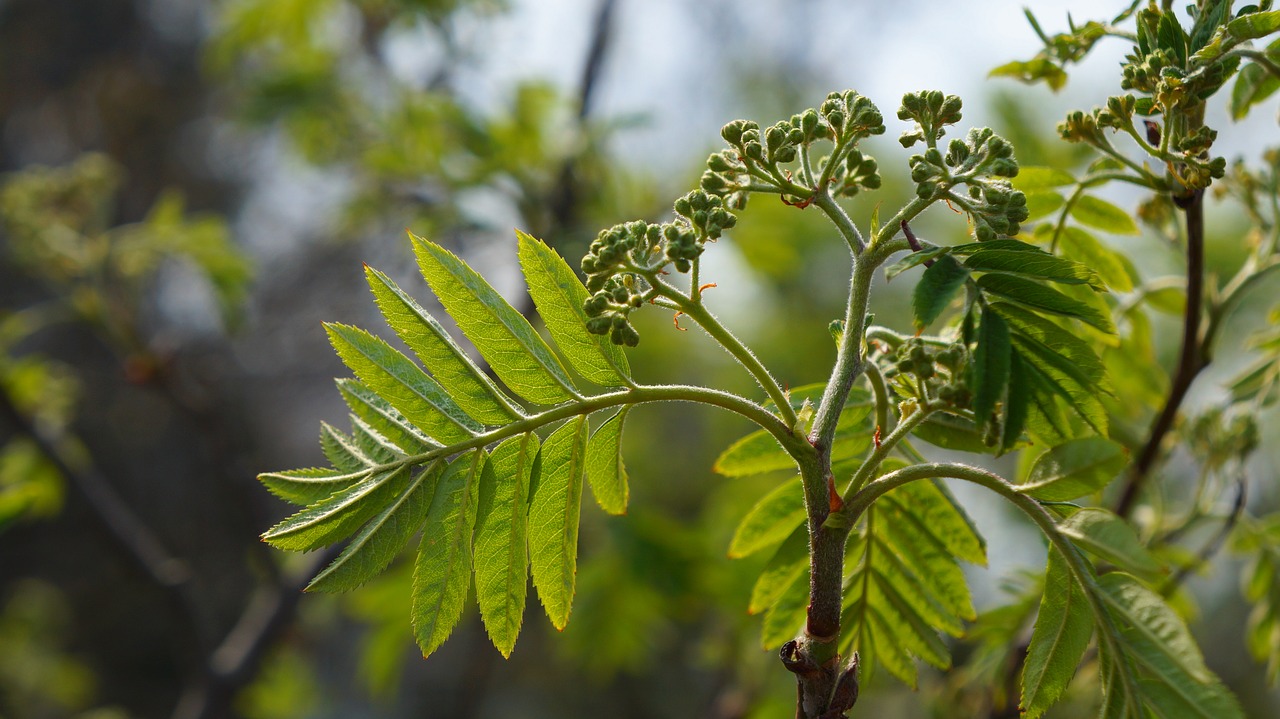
(1214, 544)
(235, 662)
(1190, 359)
(130, 536)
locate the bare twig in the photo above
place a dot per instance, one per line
(1215, 542)
(235, 662)
(128, 534)
(1190, 358)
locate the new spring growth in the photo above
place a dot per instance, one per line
(622, 257)
(979, 161)
(766, 160)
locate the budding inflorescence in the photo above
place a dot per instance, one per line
(981, 160)
(939, 371)
(759, 156)
(622, 260)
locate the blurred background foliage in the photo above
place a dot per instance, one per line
(190, 187)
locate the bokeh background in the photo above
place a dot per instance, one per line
(191, 187)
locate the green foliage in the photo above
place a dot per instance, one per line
(867, 542)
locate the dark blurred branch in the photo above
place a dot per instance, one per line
(235, 662)
(1190, 358)
(129, 535)
(563, 197)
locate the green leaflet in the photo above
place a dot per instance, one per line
(942, 517)
(1042, 297)
(1254, 25)
(759, 452)
(1111, 538)
(1253, 85)
(383, 418)
(922, 550)
(783, 569)
(990, 364)
(1040, 266)
(504, 337)
(1051, 338)
(442, 574)
(770, 520)
(1074, 469)
(1042, 203)
(903, 584)
(913, 260)
(937, 286)
(402, 383)
(341, 450)
(1102, 215)
(1030, 179)
(1176, 684)
(787, 615)
(466, 383)
(1110, 266)
(379, 541)
(559, 296)
(952, 432)
(1058, 375)
(1062, 631)
(605, 471)
(308, 486)
(501, 545)
(380, 449)
(553, 518)
(339, 515)
(1017, 405)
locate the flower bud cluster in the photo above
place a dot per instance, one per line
(844, 118)
(939, 370)
(621, 256)
(1145, 72)
(1118, 113)
(932, 112)
(977, 160)
(997, 211)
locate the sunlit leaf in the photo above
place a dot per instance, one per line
(1102, 215)
(501, 545)
(402, 383)
(504, 337)
(553, 518)
(770, 520)
(559, 296)
(1110, 538)
(1062, 631)
(379, 541)
(1074, 469)
(442, 573)
(605, 470)
(466, 383)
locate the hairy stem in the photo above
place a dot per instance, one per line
(708, 322)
